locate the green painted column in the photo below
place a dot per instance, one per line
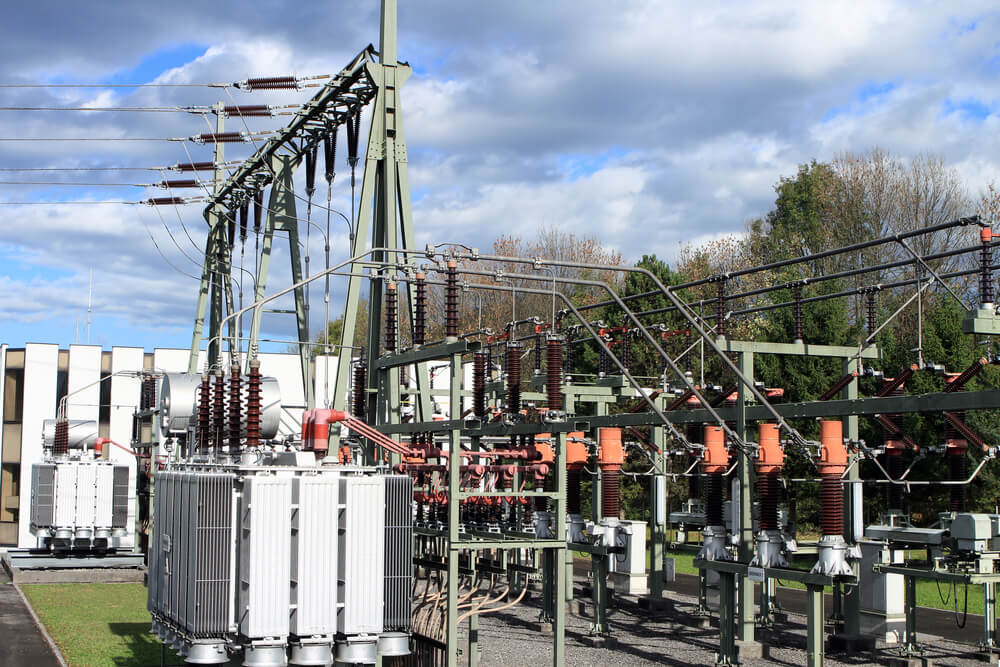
(814, 626)
(454, 479)
(746, 539)
(853, 490)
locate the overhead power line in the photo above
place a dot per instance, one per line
(253, 84)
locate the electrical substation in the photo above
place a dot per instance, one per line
(440, 481)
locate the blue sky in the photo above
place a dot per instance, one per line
(645, 125)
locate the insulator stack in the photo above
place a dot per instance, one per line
(247, 110)
(797, 295)
(831, 500)
(219, 410)
(220, 138)
(311, 171)
(271, 83)
(147, 396)
(451, 300)
(390, 317)
(604, 363)
(957, 472)
(60, 443)
(244, 219)
(572, 490)
(713, 499)
(769, 488)
(610, 457)
(838, 387)
(871, 313)
(610, 493)
(553, 372)
(420, 310)
(538, 353)
(513, 377)
(480, 360)
(569, 359)
(330, 154)
(230, 228)
(626, 351)
(360, 388)
(235, 410)
(258, 210)
(720, 308)
(180, 183)
(166, 201)
(253, 405)
(985, 274)
(195, 166)
(204, 413)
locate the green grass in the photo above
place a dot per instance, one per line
(98, 625)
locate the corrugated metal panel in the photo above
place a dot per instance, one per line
(185, 545)
(65, 495)
(314, 555)
(211, 557)
(398, 552)
(86, 492)
(104, 483)
(155, 558)
(43, 481)
(361, 568)
(265, 556)
(119, 516)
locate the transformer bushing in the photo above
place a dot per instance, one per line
(715, 459)
(770, 458)
(833, 549)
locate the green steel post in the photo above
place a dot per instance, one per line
(727, 609)
(599, 564)
(657, 523)
(474, 640)
(210, 271)
(454, 477)
(814, 626)
(852, 509)
(746, 538)
(559, 622)
(910, 608)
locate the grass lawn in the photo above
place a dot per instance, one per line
(98, 625)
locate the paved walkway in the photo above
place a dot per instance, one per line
(23, 644)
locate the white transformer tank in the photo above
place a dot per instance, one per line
(287, 564)
(79, 504)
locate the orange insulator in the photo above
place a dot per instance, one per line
(770, 456)
(832, 453)
(715, 456)
(985, 234)
(611, 453)
(545, 452)
(576, 454)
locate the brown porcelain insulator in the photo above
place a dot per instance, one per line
(480, 359)
(553, 372)
(451, 300)
(60, 443)
(219, 410)
(235, 410)
(391, 317)
(513, 377)
(713, 499)
(253, 405)
(420, 310)
(204, 412)
(831, 500)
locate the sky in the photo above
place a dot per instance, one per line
(643, 124)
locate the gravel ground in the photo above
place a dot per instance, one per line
(665, 638)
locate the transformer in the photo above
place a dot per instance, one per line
(79, 504)
(293, 564)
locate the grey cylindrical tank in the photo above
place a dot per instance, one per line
(179, 402)
(82, 433)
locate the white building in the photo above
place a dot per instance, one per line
(38, 375)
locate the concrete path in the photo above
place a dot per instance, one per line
(23, 644)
